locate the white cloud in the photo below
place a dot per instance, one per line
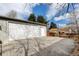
(62, 25)
(29, 8)
(58, 18)
(65, 16)
(5, 8)
(76, 5)
(69, 16)
(18, 7)
(53, 9)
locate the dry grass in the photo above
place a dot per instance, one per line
(75, 51)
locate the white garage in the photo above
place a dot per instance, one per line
(20, 29)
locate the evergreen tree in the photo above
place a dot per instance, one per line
(41, 19)
(53, 25)
(32, 17)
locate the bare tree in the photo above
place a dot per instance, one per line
(12, 14)
(74, 20)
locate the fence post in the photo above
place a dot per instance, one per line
(0, 48)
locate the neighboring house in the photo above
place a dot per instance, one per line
(69, 29)
(53, 32)
(14, 29)
(62, 31)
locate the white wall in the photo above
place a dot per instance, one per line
(43, 31)
(3, 31)
(22, 31)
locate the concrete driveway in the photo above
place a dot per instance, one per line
(54, 46)
(40, 46)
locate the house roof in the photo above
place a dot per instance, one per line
(20, 20)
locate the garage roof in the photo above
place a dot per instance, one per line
(20, 20)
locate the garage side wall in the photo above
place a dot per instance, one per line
(4, 31)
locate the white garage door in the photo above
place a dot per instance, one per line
(20, 31)
(17, 31)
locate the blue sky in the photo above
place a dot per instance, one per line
(53, 12)
(40, 9)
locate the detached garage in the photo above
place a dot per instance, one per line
(14, 29)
